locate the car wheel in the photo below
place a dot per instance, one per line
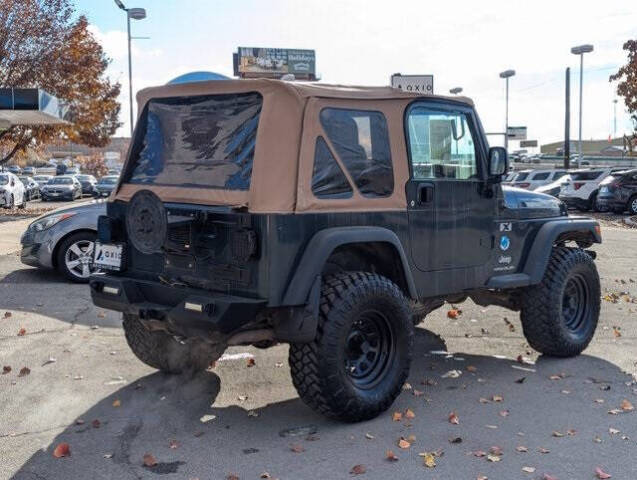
(11, 203)
(163, 351)
(24, 202)
(559, 315)
(592, 202)
(632, 205)
(75, 257)
(356, 366)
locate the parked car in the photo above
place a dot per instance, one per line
(12, 191)
(88, 184)
(553, 188)
(532, 179)
(32, 187)
(42, 179)
(114, 171)
(618, 192)
(338, 241)
(64, 187)
(64, 240)
(29, 171)
(15, 169)
(73, 171)
(105, 186)
(581, 189)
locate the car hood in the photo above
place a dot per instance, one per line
(95, 208)
(528, 204)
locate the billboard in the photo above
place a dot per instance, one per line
(516, 133)
(254, 62)
(528, 143)
(423, 84)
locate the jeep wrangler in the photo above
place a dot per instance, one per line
(254, 212)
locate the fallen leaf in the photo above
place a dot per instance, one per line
(453, 313)
(22, 332)
(418, 393)
(495, 450)
(430, 460)
(407, 386)
(504, 413)
(174, 444)
(492, 427)
(571, 432)
(397, 416)
(62, 450)
(497, 398)
(149, 460)
(617, 334)
(528, 469)
(96, 423)
(296, 448)
(232, 476)
(409, 414)
(613, 431)
(411, 438)
(250, 362)
(79, 421)
(453, 418)
(265, 475)
(24, 371)
(543, 450)
(557, 434)
(555, 377)
(599, 400)
(452, 374)
(482, 477)
(6, 369)
(471, 368)
(479, 453)
(455, 440)
(601, 474)
(548, 477)
(358, 470)
(483, 400)
(7, 314)
(403, 443)
(520, 380)
(626, 406)
(207, 418)
(615, 411)
(117, 403)
(522, 448)
(596, 439)
(253, 413)
(369, 436)
(493, 458)
(391, 456)
(108, 455)
(566, 392)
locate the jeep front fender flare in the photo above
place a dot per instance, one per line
(321, 246)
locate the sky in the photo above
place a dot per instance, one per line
(461, 43)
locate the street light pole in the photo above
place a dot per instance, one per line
(581, 50)
(506, 75)
(135, 14)
(614, 119)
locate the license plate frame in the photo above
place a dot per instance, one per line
(111, 256)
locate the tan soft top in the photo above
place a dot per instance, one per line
(280, 169)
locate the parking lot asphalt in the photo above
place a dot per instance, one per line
(515, 419)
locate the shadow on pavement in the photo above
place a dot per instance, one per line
(31, 275)
(159, 409)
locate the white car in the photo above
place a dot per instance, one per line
(581, 188)
(12, 191)
(532, 179)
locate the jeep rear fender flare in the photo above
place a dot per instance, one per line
(321, 246)
(546, 238)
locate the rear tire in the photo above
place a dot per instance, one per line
(559, 315)
(632, 205)
(158, 349)
(356, 366)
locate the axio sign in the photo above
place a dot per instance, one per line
(422, 84)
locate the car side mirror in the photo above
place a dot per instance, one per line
(498, 163)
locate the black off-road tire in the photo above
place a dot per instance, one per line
(162, 351)
(548, 321)
(321, 370)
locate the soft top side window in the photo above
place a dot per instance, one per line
(361, 141)
(328, 180)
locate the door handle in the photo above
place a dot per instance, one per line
(425, 193)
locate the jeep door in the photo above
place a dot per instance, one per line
(450, 208)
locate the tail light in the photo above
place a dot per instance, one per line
(523, 185)
(578, 185)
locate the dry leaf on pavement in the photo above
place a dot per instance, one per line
(557, 434)
(232, 476)
(626, 406)
(409, 414)
(296, 448)
(117, 403)
(22, 332)
(7, 314)
(601, 474)
(522, 449)
(453, 313)
(453, 418)
(250, 362)
(528, 469)
(358, 470)
(397, 417)
(24, 371)
(62, 450)
(543, 450)
(174, 444)
(6, 369)
(479, 453)
(429, 460)
(149, 460)
(497, 398)
(391, 456)
(495, 450)
(493, 458)
(403, 443)
(548, 477)
(369, 436)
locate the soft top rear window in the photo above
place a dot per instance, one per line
(203, 141)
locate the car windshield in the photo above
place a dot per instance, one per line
(40, 179)
(4, 179)
(83, 178)
(108, 180)
(61, 181)
(24, 179)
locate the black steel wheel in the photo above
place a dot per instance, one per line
(357, 364)
(559, 316)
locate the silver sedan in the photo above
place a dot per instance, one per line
(64, 240)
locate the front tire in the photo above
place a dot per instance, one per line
(75, 257)
(158, 349)
(559, 315)
(632, 205)
(356, 366)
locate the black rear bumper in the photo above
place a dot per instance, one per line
(186, 308)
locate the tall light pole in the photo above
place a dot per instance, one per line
(135, 14)
(506, 75)
(614, 119)
(581, 50)
(456, 90)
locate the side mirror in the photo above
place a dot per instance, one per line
(498, 163)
